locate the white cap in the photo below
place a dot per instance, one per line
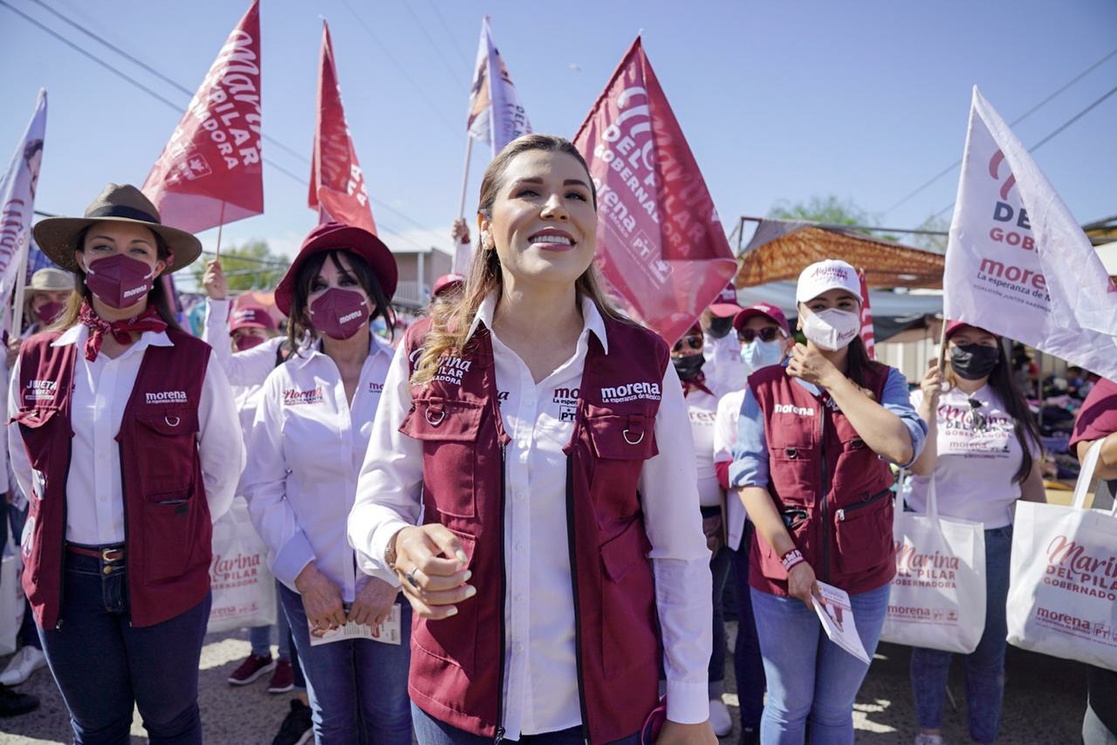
(829, 274)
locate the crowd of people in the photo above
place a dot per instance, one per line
(512, 481)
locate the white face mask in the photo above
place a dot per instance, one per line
(758, 354)
(831, 329)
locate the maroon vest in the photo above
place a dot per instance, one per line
(166, 517)
(832, 489)
(457, 663)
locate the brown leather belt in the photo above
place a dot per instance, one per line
(107, 554)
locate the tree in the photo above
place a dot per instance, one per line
(250, 266)
(827, 210)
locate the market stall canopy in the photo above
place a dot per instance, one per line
(780, 249)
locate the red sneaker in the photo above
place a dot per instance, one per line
(283, 679)
(252, 668)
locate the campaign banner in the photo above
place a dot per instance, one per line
(867, 336)
(210, 172)
(1017, 263)
(17, 195)
(660, 243)
(496, 115)
(337, 184)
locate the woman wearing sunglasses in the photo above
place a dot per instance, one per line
(983, 452)
(811, 463)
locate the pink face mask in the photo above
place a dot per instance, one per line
(47, 312)
(339, 313)
(248, 342)
(119, 281)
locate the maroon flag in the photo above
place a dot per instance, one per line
(210, 173)
(659, 240)
(337, 187)
(867, 335)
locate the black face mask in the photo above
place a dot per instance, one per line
(688, 367)
(973, 361)
(720, 327)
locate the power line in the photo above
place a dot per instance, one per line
(1058, 129)
(402, 70)
(1013, 123)
(454, 74)
(449, 33)
(178, 107)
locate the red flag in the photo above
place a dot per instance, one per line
(866, 317)
(337, 187)
(210, 173)
(659, 240)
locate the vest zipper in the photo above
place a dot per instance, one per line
(498, 735)
(841, 513)
(574, 588)
(825, 492)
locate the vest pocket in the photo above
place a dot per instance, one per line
(448, 430)
(798, 520)
(863, 533)
(175, 442)
(37, 436)
(622, 436)
(628, 637)
(169, 520)
(454, 639)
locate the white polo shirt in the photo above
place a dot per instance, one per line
(94, 491)
(304, 453)
(541, 684)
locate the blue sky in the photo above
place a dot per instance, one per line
(862, 99)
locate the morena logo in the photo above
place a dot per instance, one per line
(994, 172)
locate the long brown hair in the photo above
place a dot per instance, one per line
(157, 297)
(450, 322)
(1001, 381)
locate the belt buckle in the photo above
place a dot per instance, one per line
(109, 555)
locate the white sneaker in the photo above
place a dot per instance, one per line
(925, 739)
(24, 662)
(719, 718)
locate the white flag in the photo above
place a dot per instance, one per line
(17, 194)
(495, 113)
(1017, 263)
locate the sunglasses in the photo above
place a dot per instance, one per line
(980, 423)
(694, 342)
(748, 336)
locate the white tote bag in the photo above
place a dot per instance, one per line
(1062, 597)
(11, 594)
(243, 588)
(938, 594)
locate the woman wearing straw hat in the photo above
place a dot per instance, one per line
(305, 449)
(530, 455)
(125, 440)
(46, 297)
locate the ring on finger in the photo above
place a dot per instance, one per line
(410, 577)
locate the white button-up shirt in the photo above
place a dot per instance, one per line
(247, 368)
(305, 451)
(94, 491)
(540, 682)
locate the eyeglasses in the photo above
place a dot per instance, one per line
(980, 423)
(768, 333)
(694, 342)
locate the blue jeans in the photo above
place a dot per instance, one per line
(719, 569)
(985, 666)
(810, 677)
(431, 731)
(354, 686)
(103, 665)
(260, 636)
(28, 636)
(747, 662)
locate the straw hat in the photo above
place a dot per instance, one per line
(58, 236)
(49, 280)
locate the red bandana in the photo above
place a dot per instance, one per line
(697, 383)
(148, 320)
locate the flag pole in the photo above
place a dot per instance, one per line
(19, 294)
(220, 225)
(465, 175)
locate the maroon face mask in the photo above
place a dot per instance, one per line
(119, 281)
(248, 342)
(47, 312)
(339, 313)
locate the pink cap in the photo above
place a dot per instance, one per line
(251, 317)
(725, 304)
(953, 327)
(447, 283)
(762, 309)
